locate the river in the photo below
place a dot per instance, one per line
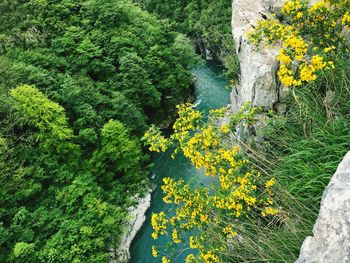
(210, 93)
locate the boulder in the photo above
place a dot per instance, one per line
(330, 242)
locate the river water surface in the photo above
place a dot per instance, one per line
(211, 93)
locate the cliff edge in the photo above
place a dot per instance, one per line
(330, 242)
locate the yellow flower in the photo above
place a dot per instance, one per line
(317, 62)
(317, 6)
(307, 73)
(159, 222)
(327, 49)
(297, 83)
(165, 260)
(270, 183)
(218, 112)
(154, 251)
(285, 59)
(225, 129)
(331, 64)
(175, 236)
(197, 208)
(190, 258)
(286, 80)
(269, 211)
(193, 243)
(291, 6)
(229, 231)
(269, 201)
(299, 15)
(209, 257)
(346, 19)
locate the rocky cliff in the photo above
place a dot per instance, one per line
(258, 83)
(330, 242)
(137, 216)
(258, 80)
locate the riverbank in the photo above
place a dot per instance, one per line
(137, 217)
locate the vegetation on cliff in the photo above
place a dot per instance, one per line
(205, 216)
(80, 82)
(299, 153)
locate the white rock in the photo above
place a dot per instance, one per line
(208, 55)
(137, 216)
(258, 65)
(330, 242)
(258, 82)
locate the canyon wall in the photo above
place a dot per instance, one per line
(330, 242)
(258, 82)
(259, 85)
(137, 216)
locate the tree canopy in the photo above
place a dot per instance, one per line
(205, 22)
(79, 83)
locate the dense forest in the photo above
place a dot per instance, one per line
(206, 22)
(79, 83)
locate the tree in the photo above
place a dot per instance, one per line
(136, 83)
(118, 156)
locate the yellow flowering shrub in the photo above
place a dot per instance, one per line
(159, 224)
(308, 38)
(154, 251)
(237, 190)
(157, 142)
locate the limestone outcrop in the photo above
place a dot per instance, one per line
(330, 242)
(137, 216)
(258, 82)
(259, 85)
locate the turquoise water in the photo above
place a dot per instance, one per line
(211, 93)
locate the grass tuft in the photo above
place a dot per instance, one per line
(302, 151)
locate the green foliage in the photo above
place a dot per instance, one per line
(246, 114)
(56, 205)
(23, 251)
(79, 81)
(133, 75)
(118, 155)
(106, 47)
(36, 110)
(207, 23)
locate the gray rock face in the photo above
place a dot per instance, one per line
(258, 81)
(136, 219)
(330, 242)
